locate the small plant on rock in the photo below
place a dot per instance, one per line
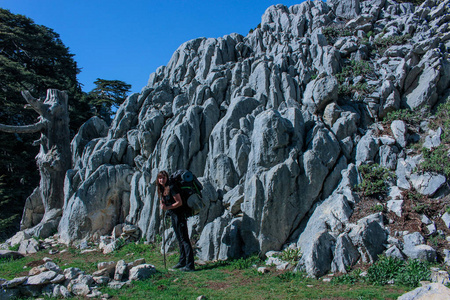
(375, 180)
(291, 255)
(413, 117)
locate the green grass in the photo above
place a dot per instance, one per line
(234, 279)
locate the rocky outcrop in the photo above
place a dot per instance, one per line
(274, 124)
(49, 280)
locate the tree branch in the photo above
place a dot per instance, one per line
(22, 129)
(35, 103)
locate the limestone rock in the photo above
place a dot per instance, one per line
(6, 254)
(427, 183)
(29, 246)
(142, 271)
(41, 279)
(429, 291)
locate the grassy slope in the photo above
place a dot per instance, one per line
(221, 280)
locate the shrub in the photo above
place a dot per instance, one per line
(349, 278)
(353, 69)
(413, 117)
(14, 248)
(393, 270)
(384, 271)
(291, 255)
(413, 272)
(436, 160)
(375, 180)
(245, 263)
(382, 43)
(442, 119)
(333, 32)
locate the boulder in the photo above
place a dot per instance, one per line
(319, 93)
(9, 254)
(429, 291)
(29, 246)
(427, 183)
(142, 271)
(41, 279)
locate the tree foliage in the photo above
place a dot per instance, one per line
(32, 57)
(107, 96)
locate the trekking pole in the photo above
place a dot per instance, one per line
(163, 238)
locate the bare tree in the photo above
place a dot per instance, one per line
(54, 157)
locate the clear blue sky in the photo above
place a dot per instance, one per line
(129, 40)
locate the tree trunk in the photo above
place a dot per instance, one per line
(54, 157)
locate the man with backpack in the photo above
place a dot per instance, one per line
(172, 202)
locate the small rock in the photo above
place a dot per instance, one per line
(413, 239)
(106, 265)
(121, 268)
(101, 280)
(440, 276)
(14, 282)
(80, 289)
(58, 279)
(431, 228)
(42, 278)
(116, 284)
(446, 218)
(29, 246)
(88, 251)
(37, 270)
(142, 272)
(94, 294)
(72, 273)
(429, 291)
(61, 291)
(7, 254)
(263, 270)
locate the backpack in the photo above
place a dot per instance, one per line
(190, 190)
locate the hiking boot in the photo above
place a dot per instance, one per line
(178, 266)
(187, 269)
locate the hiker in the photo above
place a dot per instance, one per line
(170, 201)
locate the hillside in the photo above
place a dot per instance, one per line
(319, 131)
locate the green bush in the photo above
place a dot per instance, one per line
(245, 263)
(382, 43)
(384, 270)
(291, 255)
(375, 180)
(349, 278)
(15, 247)
(436, 160)
(442, 119)
(413, 272)
(413, 117)
(332, 33)
(353, 69)
(389, 269)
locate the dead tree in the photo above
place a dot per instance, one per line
(54, 157)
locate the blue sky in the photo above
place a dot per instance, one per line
(129, 40)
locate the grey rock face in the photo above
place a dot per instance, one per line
(262, 121)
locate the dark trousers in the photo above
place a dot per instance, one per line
(179, 224)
